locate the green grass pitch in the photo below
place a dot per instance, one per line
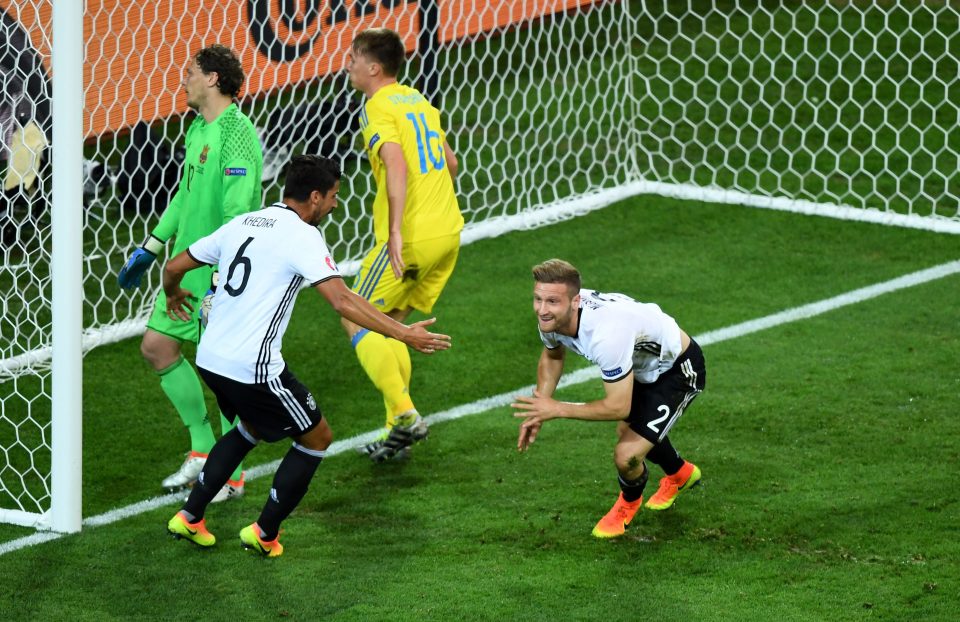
(827, 445)
(827, 490)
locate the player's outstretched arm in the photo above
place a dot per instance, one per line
(177, 297)
(549, 370)
(419, 338)
(356, 309)
(615, 405)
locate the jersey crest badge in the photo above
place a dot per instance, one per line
(203, 154)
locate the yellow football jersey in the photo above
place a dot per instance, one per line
(400, 114)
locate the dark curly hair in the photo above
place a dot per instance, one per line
(306, 173)
(221, 60)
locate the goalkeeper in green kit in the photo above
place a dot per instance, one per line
(221, 179)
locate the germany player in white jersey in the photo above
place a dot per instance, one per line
(265, 257)
(651, 370)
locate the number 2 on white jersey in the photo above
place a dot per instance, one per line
(663, 408)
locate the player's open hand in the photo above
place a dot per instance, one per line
(422, 340)
(535, 406)
(179, 307)
(528, 432)
(535, 409)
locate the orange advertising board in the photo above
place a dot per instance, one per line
(136, 50)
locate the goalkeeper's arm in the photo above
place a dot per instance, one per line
(140, 260)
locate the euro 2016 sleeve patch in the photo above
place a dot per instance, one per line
(612, 373)
(235, 172)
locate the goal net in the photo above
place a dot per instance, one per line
(534, 94)
(844, 108)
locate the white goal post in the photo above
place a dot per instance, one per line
(533, 93)
(842, 108)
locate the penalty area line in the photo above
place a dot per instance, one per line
(497, 401)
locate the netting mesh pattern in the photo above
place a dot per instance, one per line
(533, 96)
(852, 103)
(842, 102)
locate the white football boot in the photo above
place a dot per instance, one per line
(231, 490)
(187, 474)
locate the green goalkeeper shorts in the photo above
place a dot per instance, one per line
(197, 282)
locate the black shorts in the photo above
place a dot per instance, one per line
(658, 405)
(276, 409)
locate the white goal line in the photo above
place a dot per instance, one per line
(497, 401)
(545, 215)
(492, 227)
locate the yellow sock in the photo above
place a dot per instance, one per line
(403, 357)
(399, 350)
(380, 362)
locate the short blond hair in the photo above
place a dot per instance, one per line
(558, 271)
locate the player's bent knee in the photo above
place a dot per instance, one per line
(317, 439)
(160, 351)
(630, 466)
(629, 459)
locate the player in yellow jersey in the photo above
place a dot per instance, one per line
(416, 220)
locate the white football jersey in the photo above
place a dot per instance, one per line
(622, 336)
(264, 257)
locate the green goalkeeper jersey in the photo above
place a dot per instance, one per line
(221, 178)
